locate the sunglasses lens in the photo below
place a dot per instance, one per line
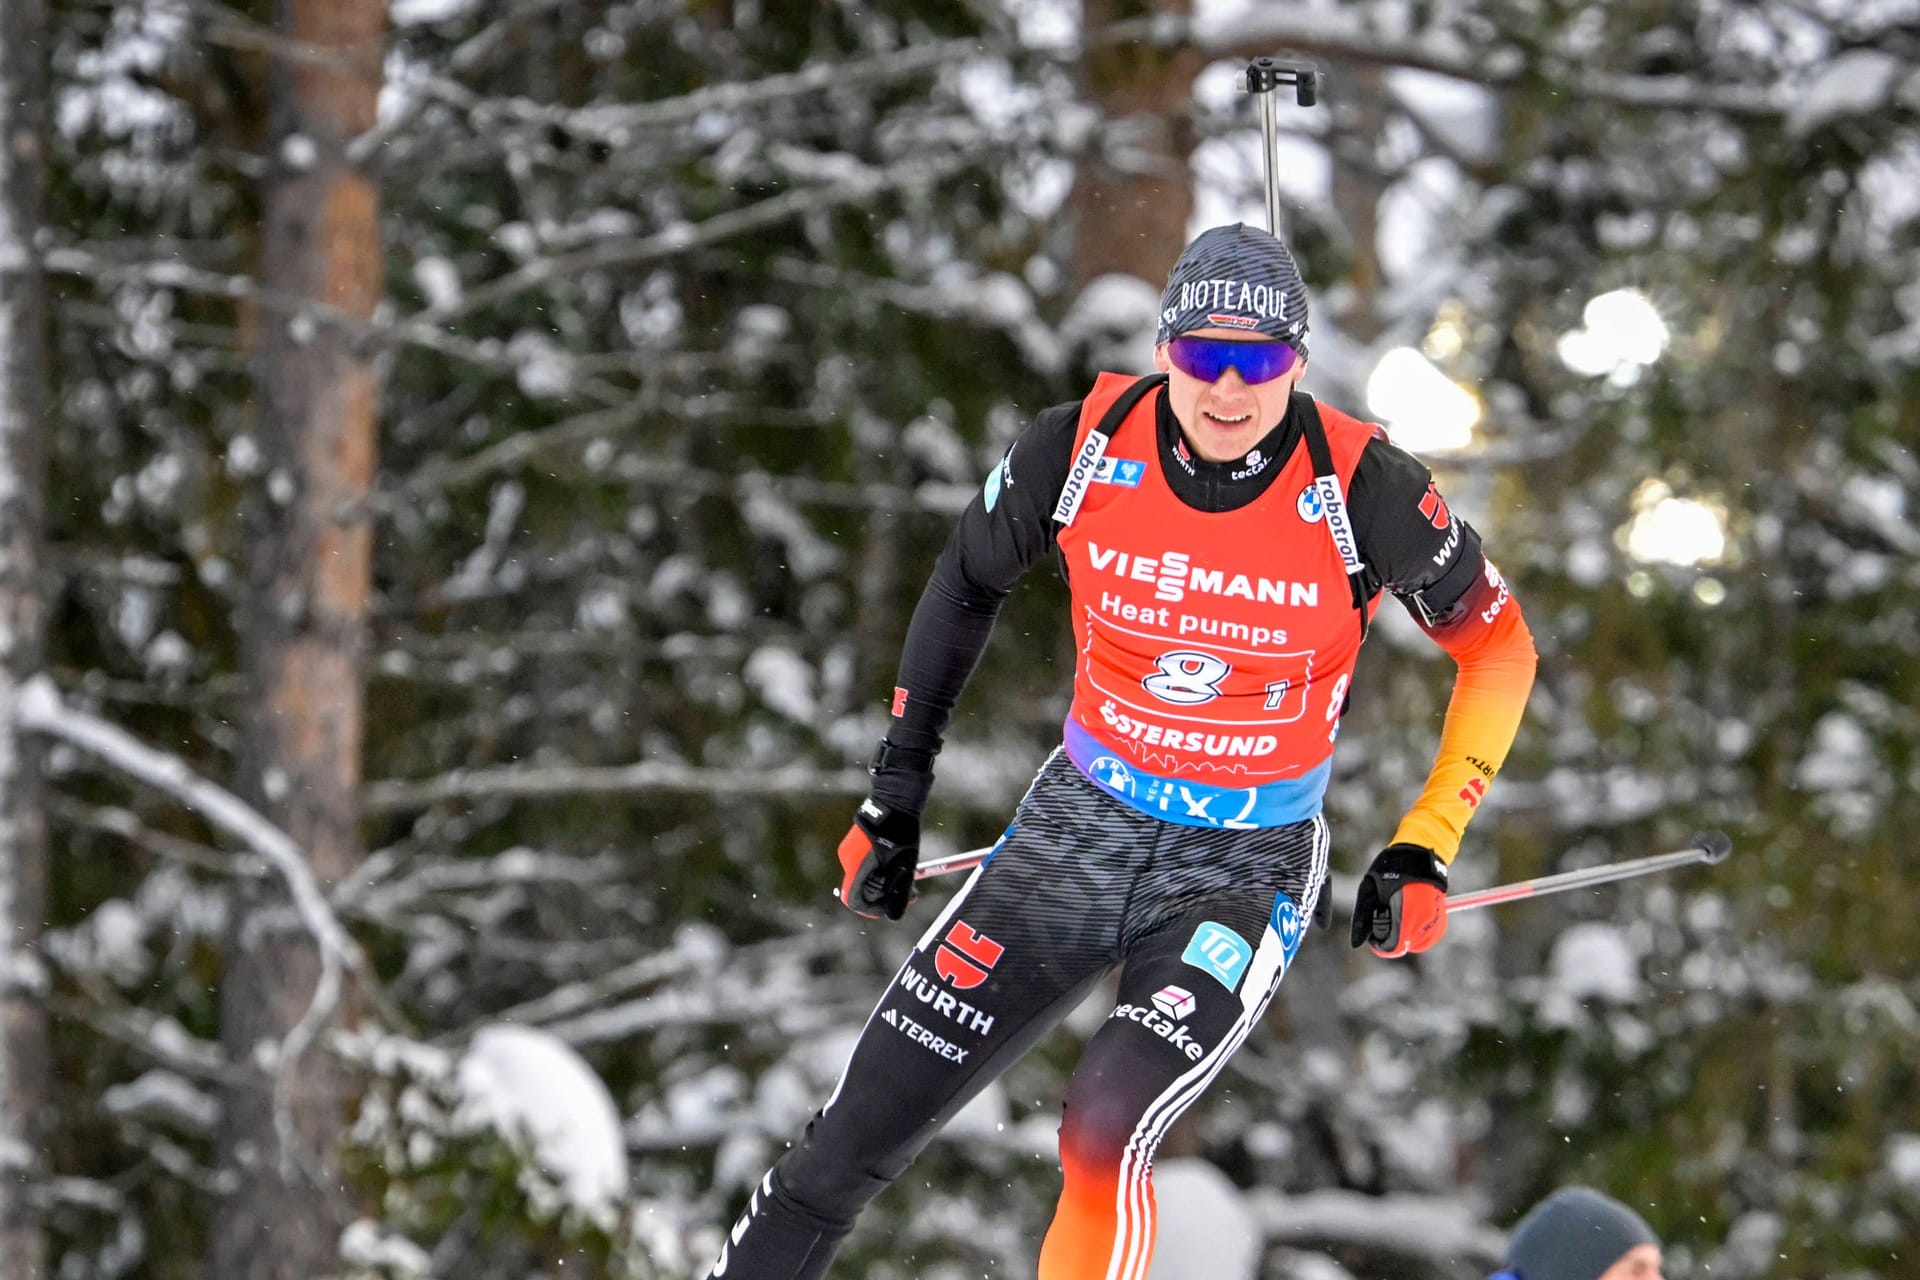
(1208, 358)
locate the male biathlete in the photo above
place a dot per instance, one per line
(1225, 539)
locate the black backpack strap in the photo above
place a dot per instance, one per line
(1117, 412)
(1333, 503)
(1087, 459)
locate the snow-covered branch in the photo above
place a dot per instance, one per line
(1347, 34)
(939, 499)
(447, 472)
(626, 251)
(615, 122)
(492, 356)
(160, 1038)
(537, 782)
(578, 998)
(42, 709)
(706, 1007)
(1430, 1230)
(127, 825)
(424, 654)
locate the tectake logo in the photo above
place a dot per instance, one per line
(1167, 1027)
(1175, 1002)
(1499, 585)
(965, 956)
(1217, 950)
(1310, 507)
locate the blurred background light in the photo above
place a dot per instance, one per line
(1423, 410)
(1668, 529)
(1622, 333)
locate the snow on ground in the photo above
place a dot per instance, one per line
(1207, 1231)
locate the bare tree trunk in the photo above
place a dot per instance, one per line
(1131, 199)
(304, 633)
(1361, 118)
(23, 833)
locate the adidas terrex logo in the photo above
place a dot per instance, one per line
(1173, 575)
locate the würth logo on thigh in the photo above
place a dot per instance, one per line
(964, 956)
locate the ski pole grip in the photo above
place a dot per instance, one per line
(1264, 75)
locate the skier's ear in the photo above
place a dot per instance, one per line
(1160, 362)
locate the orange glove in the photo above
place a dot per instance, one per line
(1401, 907)
(878, 857)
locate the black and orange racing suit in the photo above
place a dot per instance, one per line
(1176, 834)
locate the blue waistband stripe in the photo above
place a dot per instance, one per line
(1197, 804)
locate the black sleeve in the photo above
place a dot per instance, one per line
(1004, 530)
(1412, 543)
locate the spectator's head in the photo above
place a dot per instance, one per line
(1579, 1234)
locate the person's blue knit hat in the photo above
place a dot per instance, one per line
(1574, 1234)
(1236, 277)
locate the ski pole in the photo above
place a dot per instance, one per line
(1263, 76)
(952, 862)
(1709, 848)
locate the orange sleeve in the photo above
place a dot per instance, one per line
(1490, 642)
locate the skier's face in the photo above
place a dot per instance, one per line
(1224, 418)
(1642, 1262)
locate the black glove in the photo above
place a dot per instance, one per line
(1402, 903)
(878, 857)
(881, 850)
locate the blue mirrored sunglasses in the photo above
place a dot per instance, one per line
(1208, 358)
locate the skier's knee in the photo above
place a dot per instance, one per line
(1095, 1131)
(829, 1188)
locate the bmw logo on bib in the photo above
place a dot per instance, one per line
(1311, 506)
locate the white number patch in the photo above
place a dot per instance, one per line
(1187, 677)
